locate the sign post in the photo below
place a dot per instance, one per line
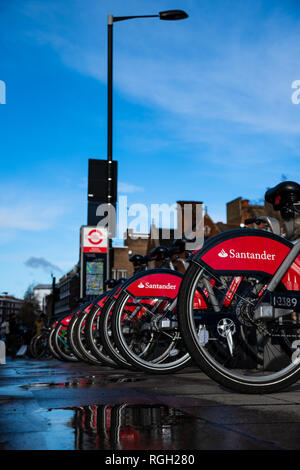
(93, 260)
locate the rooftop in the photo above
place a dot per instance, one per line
(43, 286)
(10, 298)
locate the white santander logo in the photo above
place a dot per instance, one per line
(223, 254)
(247, 255)
(147, 285)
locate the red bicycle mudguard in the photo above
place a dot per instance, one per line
(159, 284)
(66, 320)
(88, 308)
(156, 284)
(248, 250)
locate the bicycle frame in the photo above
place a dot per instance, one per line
(284, 267)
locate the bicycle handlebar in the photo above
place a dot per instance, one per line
(254, 220)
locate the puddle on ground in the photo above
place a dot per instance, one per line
(84, 382)
(124, 427)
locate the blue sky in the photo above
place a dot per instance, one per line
(202, 111)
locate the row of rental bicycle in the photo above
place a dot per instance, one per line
(232, 308)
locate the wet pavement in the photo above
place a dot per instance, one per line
(51, 405)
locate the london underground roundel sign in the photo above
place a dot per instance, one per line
(94, 240)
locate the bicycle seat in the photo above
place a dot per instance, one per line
(159, 253)
(287, 192)
(177, 247)
(138, 260)
(110, 283)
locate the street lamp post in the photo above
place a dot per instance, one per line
(169, 15)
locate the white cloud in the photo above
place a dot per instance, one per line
(29, 217)
(241, 82)
(218, 86)
(36, 209)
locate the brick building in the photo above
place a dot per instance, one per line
(240, 209)
(8, 306)
(134, 243)
(67, 292)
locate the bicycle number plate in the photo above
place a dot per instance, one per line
(286, 300)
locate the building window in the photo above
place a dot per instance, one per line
(64, 291)
(118, 273)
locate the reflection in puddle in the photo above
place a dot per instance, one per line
(129, 427)
(84, 382)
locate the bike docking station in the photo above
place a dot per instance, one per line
(2, 352)
(93, 260)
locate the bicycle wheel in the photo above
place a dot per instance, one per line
(144, 322)
(31, 346)
(71, 338)
(92, 335)
(227, 342)
(80, 339)
(106, 336)
(51, 345)
(40, 347)
(61, 345)
(146, 333)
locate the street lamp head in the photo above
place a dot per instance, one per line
(173, 15)
(163, 15)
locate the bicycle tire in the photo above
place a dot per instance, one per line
(81, 343)
(162, 351)
(66, 356)
(71, 338)
(40, 345)
(92, 333)
(228, 378)
(106, 337)
(31, 345)
(51, 346)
